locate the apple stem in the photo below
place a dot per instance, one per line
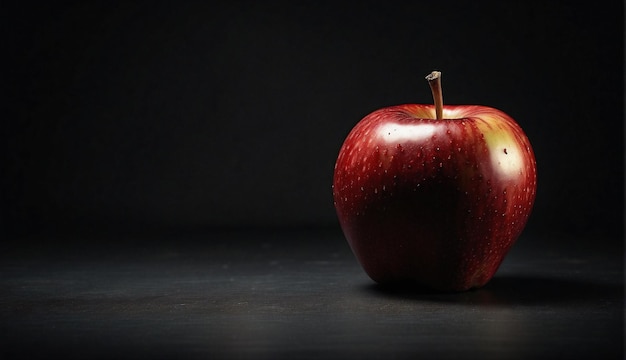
(434, 80)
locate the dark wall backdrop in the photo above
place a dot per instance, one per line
(189, 114)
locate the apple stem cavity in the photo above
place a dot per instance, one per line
(434, 80)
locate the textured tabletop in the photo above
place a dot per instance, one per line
(271, 295)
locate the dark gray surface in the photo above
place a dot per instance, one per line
(295, 295)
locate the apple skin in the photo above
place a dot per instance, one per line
(434, 203)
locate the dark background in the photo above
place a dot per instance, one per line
(145, 117)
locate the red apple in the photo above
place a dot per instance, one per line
(434, 195)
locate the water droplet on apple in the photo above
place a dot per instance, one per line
(384, 187)
(448, 132)
(375, 190)
(362, 189)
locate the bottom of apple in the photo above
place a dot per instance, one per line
(448, 278)
(410, 285)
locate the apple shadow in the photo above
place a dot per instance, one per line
(509, 290)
